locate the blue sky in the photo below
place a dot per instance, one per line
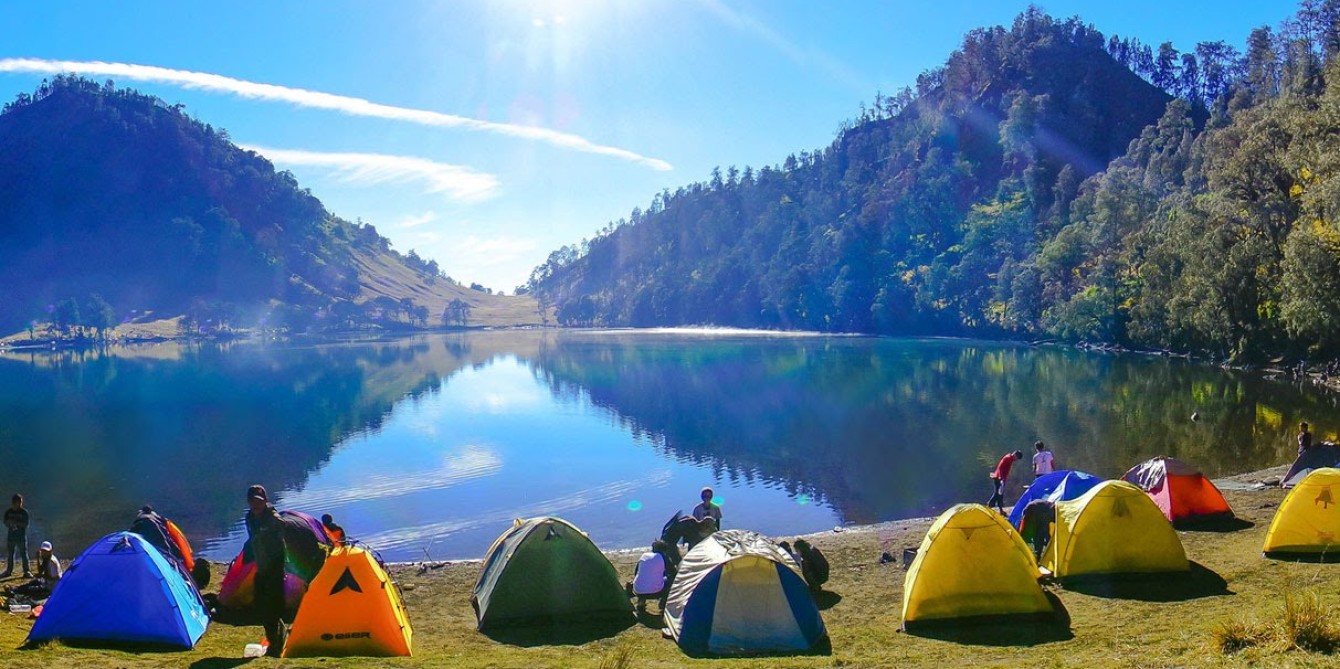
(485, 134)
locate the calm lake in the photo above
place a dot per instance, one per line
(430, 446)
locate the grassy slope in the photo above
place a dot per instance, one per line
(383, 275)
(863, 622)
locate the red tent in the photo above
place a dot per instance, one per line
(1181, 492)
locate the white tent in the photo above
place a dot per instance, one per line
(737, 592)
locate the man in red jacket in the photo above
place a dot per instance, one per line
(998, 477)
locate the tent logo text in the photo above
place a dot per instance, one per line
(345, 635)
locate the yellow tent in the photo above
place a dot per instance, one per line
(1115, 528)
(972, 563)
(351, 608)
(1308, 521)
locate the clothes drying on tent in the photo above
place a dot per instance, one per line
(1057, 486)
(972, 564)
(352, 608)
(738, 593)
(1307, 523)
(164, 535)
(305, 548)
(1181, 492)
(1322, 455)
(546, 570)
(1115, 528)
(121, 589)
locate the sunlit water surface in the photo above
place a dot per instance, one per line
(428, 447)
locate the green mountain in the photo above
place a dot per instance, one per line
(117, 204)
(1035, 185)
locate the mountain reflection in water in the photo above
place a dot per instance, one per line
(429, 446)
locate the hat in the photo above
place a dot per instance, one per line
(257, 492)
(46, 546)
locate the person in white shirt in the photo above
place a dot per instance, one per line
(655, 571)
(1043, 461)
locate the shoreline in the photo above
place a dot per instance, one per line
(1246, 482)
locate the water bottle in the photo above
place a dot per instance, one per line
(20, 608)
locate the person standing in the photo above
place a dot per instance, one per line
(1304, 439)
(265, 533)
(1043, 461)
(998, 477)
(16, 521)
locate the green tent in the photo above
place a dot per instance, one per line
(546, 570)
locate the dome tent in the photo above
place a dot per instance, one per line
(545, 569)
(1113, 529)
(972, 564)
(739, 593)
(1181, 492)
(351, 608)
(305, 548)
(1307, 523)
(1057, 486)
(121, 589)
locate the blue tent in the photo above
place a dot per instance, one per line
(738, 593)
(122, 589)
(1058, 486)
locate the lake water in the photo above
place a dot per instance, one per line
(430, 446)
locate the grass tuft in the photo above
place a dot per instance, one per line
(1237, 635)
(1307, 624)
(621, 657)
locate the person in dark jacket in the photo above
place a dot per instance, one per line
(265, 532)
(813, 564)
(16, 521)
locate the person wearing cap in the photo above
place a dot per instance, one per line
(48, 566)
(265, 533)
(48, 572)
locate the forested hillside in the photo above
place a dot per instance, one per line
(116, 204)
(1046, 182)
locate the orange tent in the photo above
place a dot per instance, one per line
(1181, 492)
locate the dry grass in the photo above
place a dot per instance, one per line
(1305, 623)
(1127, 629)
(621, 657)
(1232, 636)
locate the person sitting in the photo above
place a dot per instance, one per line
(707, 509)
(654, 573)
(48, 574)
(335, 532)
(813, 565)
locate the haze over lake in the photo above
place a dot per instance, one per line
(429, 446)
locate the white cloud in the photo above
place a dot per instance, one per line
(365, 169)
(318, 100)
(807, 57)
(415, 220)
(497, 249)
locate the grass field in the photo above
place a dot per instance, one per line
(1174, 622)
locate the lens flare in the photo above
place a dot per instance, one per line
(635, 505)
